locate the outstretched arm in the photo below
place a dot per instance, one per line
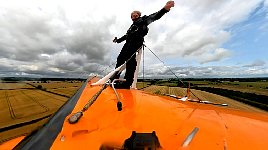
(155, 16)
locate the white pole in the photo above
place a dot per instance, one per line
(138, 59)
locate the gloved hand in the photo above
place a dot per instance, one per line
(115, 39)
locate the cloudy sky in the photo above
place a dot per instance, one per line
(60, 38)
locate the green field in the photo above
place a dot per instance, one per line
(253, 92)
(260, 87)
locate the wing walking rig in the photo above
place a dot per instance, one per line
(100, 116)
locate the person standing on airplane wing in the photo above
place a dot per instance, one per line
(134, 40)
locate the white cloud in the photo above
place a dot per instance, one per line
(198, 27)
(216, 55)
(266, 3)
(256, 63)
(68, 36)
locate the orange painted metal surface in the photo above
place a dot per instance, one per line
(11, 143)
(102, 125)
(172, 120)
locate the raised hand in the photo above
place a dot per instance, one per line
(169, 4)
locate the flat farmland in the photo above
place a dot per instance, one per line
(23, 107)
(260, 87)
(13, 86)
(247, 91)
(63, 88)
(202, 95)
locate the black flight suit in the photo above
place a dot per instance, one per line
(134, 40)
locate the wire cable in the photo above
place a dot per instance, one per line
(170, 70)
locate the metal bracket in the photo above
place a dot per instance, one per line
(119, 104)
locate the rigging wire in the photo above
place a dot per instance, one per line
(170, 70)
(164, 64)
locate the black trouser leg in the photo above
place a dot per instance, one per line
(128, 51)
(130, 70)
(120, 61)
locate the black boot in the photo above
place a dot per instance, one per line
(121, 85)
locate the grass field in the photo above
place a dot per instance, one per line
(201, 95)
(13, 86)
(260, 87)
(61, 88)
(21, 104)
(58, 84)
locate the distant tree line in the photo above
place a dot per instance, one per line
(44, 80)
(260, 101)
(167, 82)
(40, 87)
(228, 79)
(207, 79)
